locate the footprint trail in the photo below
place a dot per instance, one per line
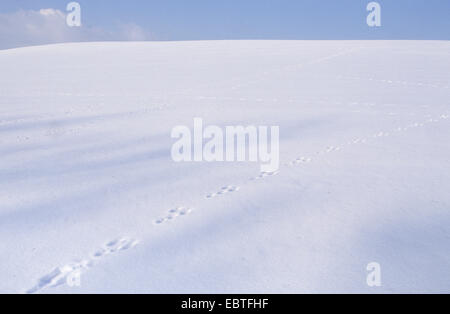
(62, 275)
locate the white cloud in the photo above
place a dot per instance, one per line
(47, 26)
(50, 12)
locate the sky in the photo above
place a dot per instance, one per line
(36, 22)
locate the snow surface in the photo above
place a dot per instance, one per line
(87, 182)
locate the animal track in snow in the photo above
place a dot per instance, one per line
(115, 246)
(381, 134)
(174, 214)
(331, 149)
(60, 275)
(357, 141)
(304, 160)
(300, 160)
(264, 175)
(223, 191)
(394, 82)
(328, 150)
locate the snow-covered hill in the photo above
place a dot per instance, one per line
(87, 183)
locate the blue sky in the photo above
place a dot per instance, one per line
(231, 19)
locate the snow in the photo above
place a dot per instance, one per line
(87, 183)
